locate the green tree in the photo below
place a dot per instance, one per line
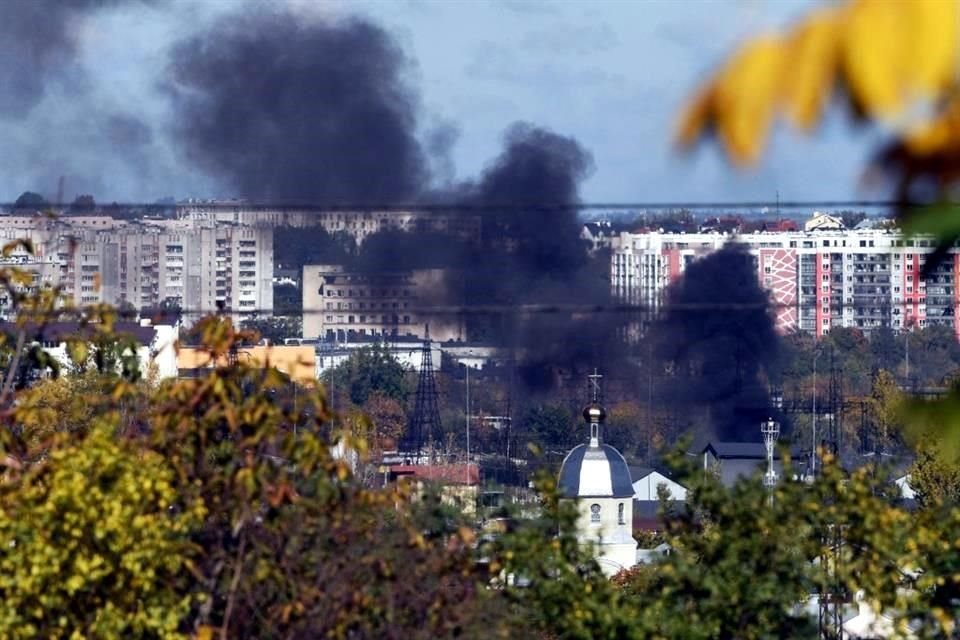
(886, 349)
(370, 369)
(31, 200)
(275, 329)
(551, 426)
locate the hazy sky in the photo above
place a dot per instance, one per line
(613, 74)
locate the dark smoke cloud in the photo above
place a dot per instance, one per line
(533, 255)
(37, 45)
(716, 334)
(55, 119)
(287, 109)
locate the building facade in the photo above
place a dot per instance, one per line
(817, 280)
(199, 268)
(339, 304)
(357, 224)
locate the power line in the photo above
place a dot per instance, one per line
(440, 207)
(532, 309)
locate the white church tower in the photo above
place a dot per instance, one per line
(596, 476)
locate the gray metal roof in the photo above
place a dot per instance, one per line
(570, 471)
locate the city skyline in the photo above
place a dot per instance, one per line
(519, 61)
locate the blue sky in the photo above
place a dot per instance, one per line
(611, 73)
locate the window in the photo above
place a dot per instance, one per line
(594, 513)
(620, 515)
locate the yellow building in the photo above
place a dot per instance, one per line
(298, 362)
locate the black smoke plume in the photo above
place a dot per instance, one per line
(52, 121)
(534, 258)
(529, 284)
(716, 338)
(37, 45)
(287, 109)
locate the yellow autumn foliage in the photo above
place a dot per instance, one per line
(90, 547)
(895, 61)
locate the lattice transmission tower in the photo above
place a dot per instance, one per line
(425, 422)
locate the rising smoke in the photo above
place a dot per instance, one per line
(283, 108)
(53, 120)
(716, 336)
(534, 255)
(38, 43)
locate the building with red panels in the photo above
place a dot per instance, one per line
(817, 279)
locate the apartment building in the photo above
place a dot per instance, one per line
(199, 268)
(357, 224)
(339, 304)
(817, 279)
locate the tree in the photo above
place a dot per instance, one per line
(884, 410)
(91, 544)
(934, 477)
(630, 429)
(550, 425)
(370, 369)
(886, 349)
(387, 418)
(83, 204)
(274, 329)
(31, 200)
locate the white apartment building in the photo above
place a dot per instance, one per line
(339, 304)
(817, 279)
(356, 224)
(200, 268)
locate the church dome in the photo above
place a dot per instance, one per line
(595, 469)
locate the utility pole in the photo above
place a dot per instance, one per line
(813, 442)
(467, 368)
(907, 342)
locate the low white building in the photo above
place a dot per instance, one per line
(647, 484)
(408, 352)
(156, 350)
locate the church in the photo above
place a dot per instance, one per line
(597, 477)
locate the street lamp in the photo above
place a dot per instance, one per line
(771, 431)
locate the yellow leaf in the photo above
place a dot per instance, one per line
(813, 53)
(205, 632)
(746, 98)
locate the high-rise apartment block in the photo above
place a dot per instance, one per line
(197, 267)
(817, 280)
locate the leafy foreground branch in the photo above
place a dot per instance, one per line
(216, 508)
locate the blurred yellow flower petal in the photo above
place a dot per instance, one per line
(940, 134)
(813, 49)
(746, 98)
(874, 48)
(933, 31)
(695, 118)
